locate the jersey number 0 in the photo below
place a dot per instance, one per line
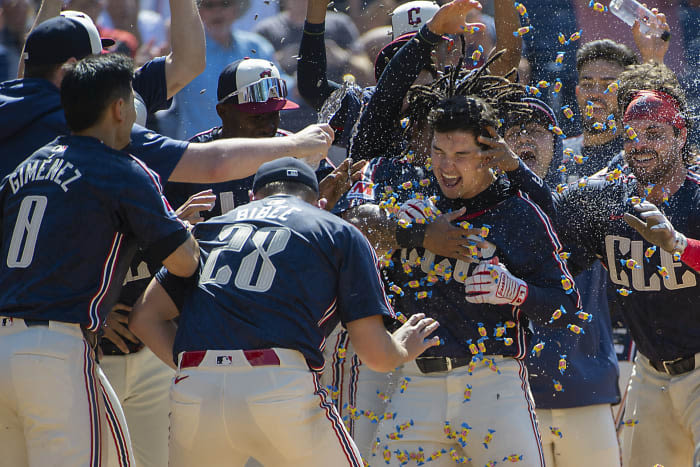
(246, 277)
(26, 231)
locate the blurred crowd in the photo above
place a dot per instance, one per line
(355, 32)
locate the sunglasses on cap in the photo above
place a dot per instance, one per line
(259, 91)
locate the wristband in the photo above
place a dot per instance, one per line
(411, 237)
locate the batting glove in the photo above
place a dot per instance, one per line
(418, 210)
(494, 284)
(657, 229)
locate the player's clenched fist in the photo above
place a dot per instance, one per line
(313, 143)
(413, 335)
(494, 284)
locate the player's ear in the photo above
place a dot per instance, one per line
(117, 109)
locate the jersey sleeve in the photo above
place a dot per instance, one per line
(161, 153)
(148, 215)
(176, 287)
(150, 81)
(312, 80)
(360, 289)
(574, 213)
(527, 181)
(376, 132)
(535, 258)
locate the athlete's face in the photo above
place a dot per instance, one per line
(593, 81)
(246, 125)
(657, 151)
(457, 164)
(533, 143)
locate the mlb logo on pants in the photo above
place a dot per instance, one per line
(5, 322)
(224, 360)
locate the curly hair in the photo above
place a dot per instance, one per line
(655, 77)
(467, 100)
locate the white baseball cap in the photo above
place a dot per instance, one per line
(411, 16)
(255, 85)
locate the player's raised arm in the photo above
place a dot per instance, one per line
(506, 21)
(188, 56)
(235, 158)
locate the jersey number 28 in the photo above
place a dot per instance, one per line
(246, 277)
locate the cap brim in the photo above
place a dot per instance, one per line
(272, 105)
(106, 42)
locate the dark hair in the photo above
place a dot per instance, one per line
(301, 190)
(655, 77)
(41, 71)
(466, 100)
(91, 85)
(605, 49)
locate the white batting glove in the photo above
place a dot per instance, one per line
(418, 210)
(494, 284)
(657, 229)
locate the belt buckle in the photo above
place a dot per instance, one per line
(666, 364)
(448, 363)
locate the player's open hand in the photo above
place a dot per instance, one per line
(414, 334)
(336, 183)
(450, 18)
(657, 229)
(313, 142)
(444, 238)
(652, 47)
(499, 153)
(116, 327)
(191, 209)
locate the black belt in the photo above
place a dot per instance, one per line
(675, 367)
(36, 322)
(438, 364)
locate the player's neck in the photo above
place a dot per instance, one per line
(597, 139)
(668, 185)
(105, 133)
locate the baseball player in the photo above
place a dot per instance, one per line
(62, 268)
(576, 424)
(655, 290)
(251, 96)
(448, 376)
(251, 329)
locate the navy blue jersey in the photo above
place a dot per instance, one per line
(71, 216)
(661, 312)
(250, 293)
(229, 194)
(31, 115)
(525, 243)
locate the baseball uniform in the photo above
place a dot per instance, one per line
(664, 373)
(61, 274)
(252, 331)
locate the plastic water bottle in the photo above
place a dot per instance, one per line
(631, 10)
